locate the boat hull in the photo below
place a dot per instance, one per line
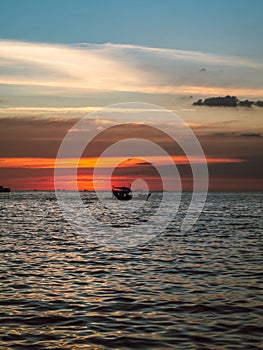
(122, 193)
(5, 189)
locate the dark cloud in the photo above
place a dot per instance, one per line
(220, 134)
(246, 103)
(250, 134)
(41, 137)
(235, 134)
(143, 163)
(227, 101)
(32, 136)
(129, 131)
(231, 145)
(202, 70)
(187, 97)
(250, 168)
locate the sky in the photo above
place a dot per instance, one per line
(60, 60)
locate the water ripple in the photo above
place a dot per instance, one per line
(196, 291)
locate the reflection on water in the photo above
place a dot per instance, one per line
(58, 290)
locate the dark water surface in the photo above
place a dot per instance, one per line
(201, 290)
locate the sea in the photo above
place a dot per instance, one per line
(200, 289)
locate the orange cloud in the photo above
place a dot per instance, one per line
(46, 163)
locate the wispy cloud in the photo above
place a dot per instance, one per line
(63, 66)
(127, 68)
(45, 111)
(192, 56)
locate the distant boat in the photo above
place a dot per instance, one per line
(122, 193)
(4, 189)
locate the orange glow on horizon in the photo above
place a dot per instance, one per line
(85, 182)
(37, 173)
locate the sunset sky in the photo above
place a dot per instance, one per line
(60, 60)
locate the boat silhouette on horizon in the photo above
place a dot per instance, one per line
(122, 193)
(5, 189)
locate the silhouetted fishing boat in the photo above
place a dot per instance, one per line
(122, 193)
(4, 189)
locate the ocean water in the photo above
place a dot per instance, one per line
(200, 290)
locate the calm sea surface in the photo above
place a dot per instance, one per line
(201, 290)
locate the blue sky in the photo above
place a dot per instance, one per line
(112, 51)
(224, 27)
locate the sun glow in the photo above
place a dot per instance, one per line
(24, 171)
